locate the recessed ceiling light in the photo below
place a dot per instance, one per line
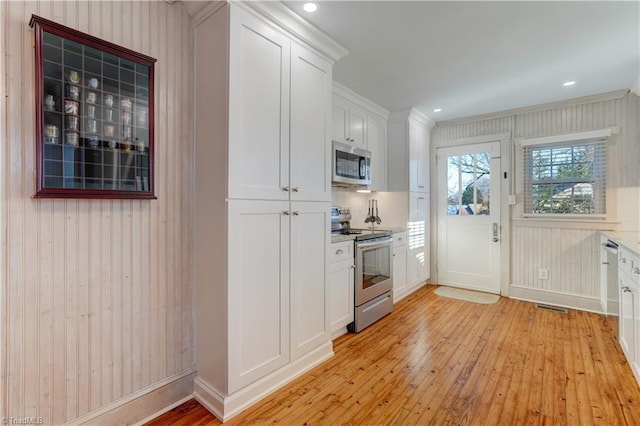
(437, 110)
(568, 83)
(364, 191)
(310, 7)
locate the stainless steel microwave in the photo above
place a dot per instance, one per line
(350, 165)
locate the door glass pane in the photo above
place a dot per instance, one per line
(468, 184)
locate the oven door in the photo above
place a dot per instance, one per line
(373, 269)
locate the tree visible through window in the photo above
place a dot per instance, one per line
(565, 178)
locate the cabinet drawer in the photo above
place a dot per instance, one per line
(341, 251)
(629, 263)
(399, 239)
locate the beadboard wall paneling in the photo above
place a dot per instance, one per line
(570, 253)
(566, 253)
(96, 295)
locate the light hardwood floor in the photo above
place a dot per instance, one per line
(442, 361)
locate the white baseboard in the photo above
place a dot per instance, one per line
(612, 307)
(225, 407)
(565, 300)
(144, 404)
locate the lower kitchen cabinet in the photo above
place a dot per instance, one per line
(418, 236)
(629, 308)
(342, 286)
(400, 265)
(277, 275)
(258, 290)
(310, 232)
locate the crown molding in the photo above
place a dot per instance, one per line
(361, 101)
(285, 18)
(411, 114)
(618, 94)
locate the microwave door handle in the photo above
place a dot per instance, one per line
(363, 168)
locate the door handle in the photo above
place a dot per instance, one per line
(495, 232)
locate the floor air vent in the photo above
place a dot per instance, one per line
(552, 308)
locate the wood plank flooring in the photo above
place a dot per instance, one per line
(442, 361)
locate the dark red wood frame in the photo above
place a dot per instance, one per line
(40, 24)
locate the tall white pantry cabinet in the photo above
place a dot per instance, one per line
(262, 191)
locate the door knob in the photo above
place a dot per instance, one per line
(495, 232)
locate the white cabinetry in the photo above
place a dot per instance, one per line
(266, 70)
(360, 122)
(629, 314)
(408, 150)
(400, 265)
(348, 123)
(377, 144)
(262, 126)
(418, 231)
(342, 287)
(408, 158)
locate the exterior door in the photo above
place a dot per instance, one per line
(469, 216)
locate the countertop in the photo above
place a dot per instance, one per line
(630, 240)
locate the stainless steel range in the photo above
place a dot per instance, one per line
(374, 267)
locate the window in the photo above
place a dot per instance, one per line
(565, 177)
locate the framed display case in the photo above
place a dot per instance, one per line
(94, 116)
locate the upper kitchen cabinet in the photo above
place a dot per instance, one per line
(408, 141)
(348, 123)
(279, 97)
(360, 122)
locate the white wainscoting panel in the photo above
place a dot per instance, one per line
(96, 294)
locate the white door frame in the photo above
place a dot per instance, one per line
(506, 189)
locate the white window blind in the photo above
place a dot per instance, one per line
(566, 177)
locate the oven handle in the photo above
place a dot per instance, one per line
(377, 242)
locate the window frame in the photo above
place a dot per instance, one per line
(601, 203)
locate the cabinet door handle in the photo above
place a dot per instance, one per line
(605, 263)
(626, 289)
(285, 188)
(286, 213)
(353, 266)
(294, 189)
(296, 213)
(623, 260)
(400, 239)
(636, 270)
(339, 251)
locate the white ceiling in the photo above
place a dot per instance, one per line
(478, 57)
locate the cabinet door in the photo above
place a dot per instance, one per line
(377, 144)
(357, 126)
(310, 225)
(258, 286)
(258, 109)
(627, 316)
(339, 120)
(418, 234)
(418, 157)
(342, 294)
(310, 108)
(400, 266)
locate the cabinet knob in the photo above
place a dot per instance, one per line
(636, 270)
(296, 213)
(285, 188)
(353, 266)
(339, 251)
(623, 260)
(295, 189)
(286, 213)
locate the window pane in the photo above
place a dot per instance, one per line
(577, 190)
(468, 184)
